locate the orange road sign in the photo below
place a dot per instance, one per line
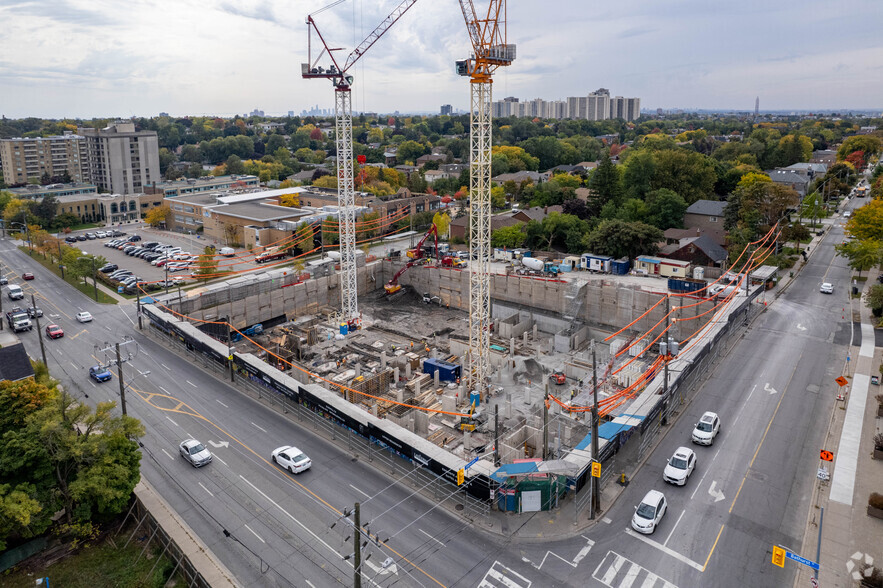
(826, 455)
(842, 381)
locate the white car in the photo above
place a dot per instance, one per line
(847, 214)
(826, 288)
(680, 466)
(649, 513)
(706, 429)
(195, 452)
(84, 317)
(292, 459)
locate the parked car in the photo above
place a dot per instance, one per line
(110, 267)
(195, 452)
(292, 459)
(227, 251)
(706, 429)
(84, 317)
(649, 513)
(100, 234)
(680, 466)
(81, 237)
(54, 331)
(3, 280)
(99, 373)
(27, 276)
(135, 238)
(91, 236)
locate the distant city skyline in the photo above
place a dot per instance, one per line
(86, 58)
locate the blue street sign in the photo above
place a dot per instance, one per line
(471, 463)
(802, 560)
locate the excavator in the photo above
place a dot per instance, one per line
(416, 256)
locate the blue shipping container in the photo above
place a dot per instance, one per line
(620, 267)
(685, 285)
(447, 372)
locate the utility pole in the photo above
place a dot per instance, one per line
(120, 376)
(546, 423)
(138, 300)
(230, 350)
(39, 332)
(497, 435)
(596, 499)
(665, 363)
(357, 546)
(95, 281)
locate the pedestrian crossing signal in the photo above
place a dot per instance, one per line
(778, 556)
(596, 469)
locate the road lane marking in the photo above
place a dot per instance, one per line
(259, 427)
(708, 559)
(668, 551)
(164, 390)
(59, 352)
(506, 577)
(253, 533)
(191, 383)
(167, 453)
(675, 527)
(171, 421)
(206, 489)
(428, 535)
(165, 366)
(221, 403)
(219, 459)
(365, 494)
(75, 365)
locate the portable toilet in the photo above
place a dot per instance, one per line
(344, 328)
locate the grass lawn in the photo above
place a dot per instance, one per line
(98, 566)
(87, 289)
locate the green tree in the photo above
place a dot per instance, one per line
(511, 237)
(867, 143)
(874, 299)
(606, 183)
(862, 255)
(689, 174)
(666, 209)
(618, 238)
(638, 173)
(409, 151)
(166, 158)
(207, 264)
(234, 165)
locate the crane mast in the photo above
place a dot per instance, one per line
(343, 118)
(490, 51)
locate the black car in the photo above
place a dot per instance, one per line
(109, 268)
(70, 239)
(35, 311)
(134, 238)
(81, 237)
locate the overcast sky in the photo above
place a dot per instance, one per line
(103, 58)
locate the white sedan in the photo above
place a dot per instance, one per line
(292, 459)
(826, 288)
(84, 317)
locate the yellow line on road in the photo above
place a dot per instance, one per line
(147, 395)
(769, 424)
(708, 559)
(78, 334)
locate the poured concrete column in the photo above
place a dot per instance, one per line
(437, 380)
(512, 346)
(534, 332)
(395, 375)
(524, 337)
(383, 360)
(467, 440)
(374, 409)
(416, 388)
(507, 408)
(400, 394)
(358, 369)
(449, 403)
(408, 369)
(435, 353)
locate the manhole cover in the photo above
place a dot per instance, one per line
(458, 507)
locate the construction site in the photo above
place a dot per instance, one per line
(499, 368)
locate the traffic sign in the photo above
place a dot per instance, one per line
(461, 475)
(802, 560)
(596, 469)
(826, 455)
(842, 381)
(778, 556)
(471, 463)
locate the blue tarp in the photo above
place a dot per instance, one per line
(514, 468)
(605, 431)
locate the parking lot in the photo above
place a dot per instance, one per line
(143, 269)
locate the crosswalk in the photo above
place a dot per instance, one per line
(617, 571)
(500, 576)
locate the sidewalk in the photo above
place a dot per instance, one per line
(850, 537)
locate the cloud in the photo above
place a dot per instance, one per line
(259, 11)
(60, 11)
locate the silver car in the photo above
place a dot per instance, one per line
(195, 452)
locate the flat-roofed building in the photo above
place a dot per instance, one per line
(24, 159)
(119, 159)
(185, 186)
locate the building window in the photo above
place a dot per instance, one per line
(122, 207)
(113, 208)
(132, 205)
(712, 219)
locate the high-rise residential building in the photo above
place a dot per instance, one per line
(119, 159)
(27, 158)
(596, 106)
(446, 109)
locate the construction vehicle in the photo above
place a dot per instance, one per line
(531, 266)
(557, 377)
(416, 255)
(475, 418)
(249, 332)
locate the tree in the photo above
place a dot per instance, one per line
(511, 237)
(867, 143)
(638, 173)
(367, 226)
(575, 207)
(498, 197)
(166, 158)
(158, 215)
(207, 264)
(606, 183)
(409, 151)
(873, 300)
(689, 174)
(618, 238)
(666, 209)
(289, 200)
(866, 222)
(234, 165)
(862, 255)
(442, 222)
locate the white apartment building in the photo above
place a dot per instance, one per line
(27, 158)
(595, 106)
(119, 159)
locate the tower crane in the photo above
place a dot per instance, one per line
(343, 115)
(490, 51)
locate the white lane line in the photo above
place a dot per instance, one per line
(300, 524)
(145, 354)
(164, 390)
(219, 459)
(221, 403)
(675, 527)
(252, 532)
(93, 383)
(165, 366)
(59, 352)
(664, 549)
(206, 489)
(191, 383)
(310, 583)
(171, 421)
(606, 520)
(431, 537)
(259, 427)
(126, 315)
(167, 453)
(365, 494)
(75, 365)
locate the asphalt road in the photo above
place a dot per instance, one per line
(751, 489)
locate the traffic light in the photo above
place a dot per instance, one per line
(778, 556)
(461, 474)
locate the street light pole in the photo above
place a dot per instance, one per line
(596, 498)
(120, 377)
(39, 332)
(94, 278)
